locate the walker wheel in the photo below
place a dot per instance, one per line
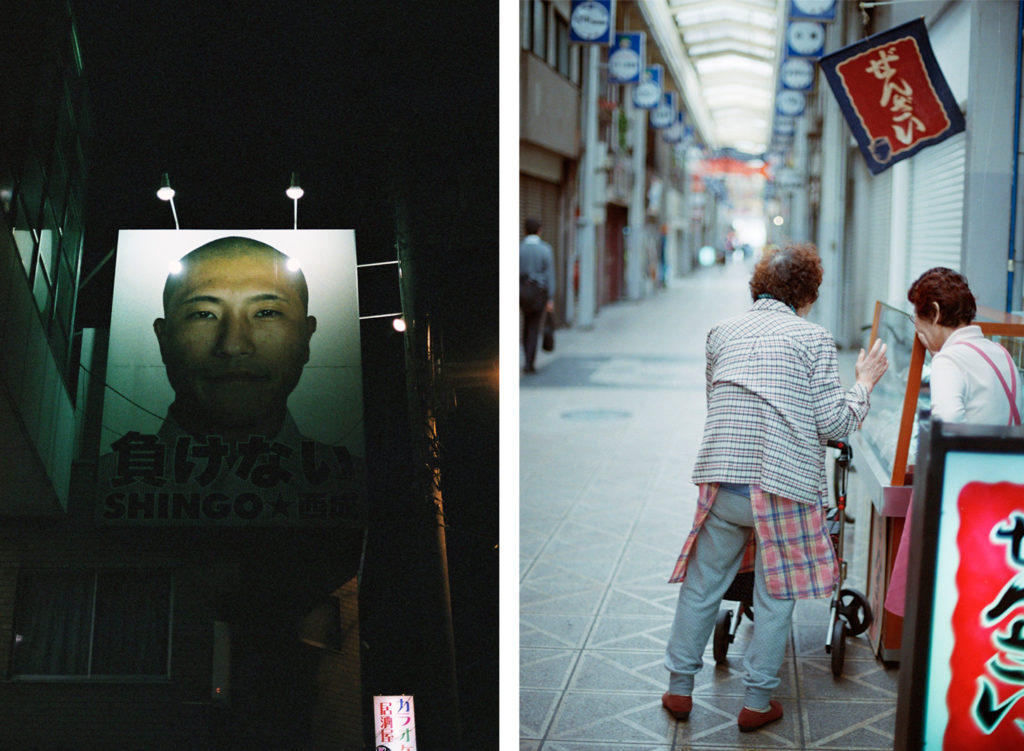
(838, 646)
(853, 607)
(720, 646)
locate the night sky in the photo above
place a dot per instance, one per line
(389, 113)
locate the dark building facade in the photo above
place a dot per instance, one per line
(130, 637)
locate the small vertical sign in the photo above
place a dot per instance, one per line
(664, 115)
(805, 39)
(674, 132)
(394, 723)
(647, 93)
(592, 21)
(626, 58)
(813, 10)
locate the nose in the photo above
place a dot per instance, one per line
(234, 336)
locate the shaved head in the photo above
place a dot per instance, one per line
(230, 247)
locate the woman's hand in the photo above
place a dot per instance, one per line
(872, 365)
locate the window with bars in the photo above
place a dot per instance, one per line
(92, 624)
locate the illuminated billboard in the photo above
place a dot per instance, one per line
(234, 380)
(961, 677)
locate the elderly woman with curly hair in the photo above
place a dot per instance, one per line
(973, 379)
(774, 400)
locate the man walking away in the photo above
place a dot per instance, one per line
(536, 285)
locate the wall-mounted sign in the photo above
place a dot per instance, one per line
(647, 93)
(797, 74)
(785, 125)
(626, 57)
(592, 21)
(235, 380)
(394, 723)
(665, 114)
(674, 132)
(805, 39)
(787, 178)
(790, 103)
(962, 678)
(893, 94)
(814, 10)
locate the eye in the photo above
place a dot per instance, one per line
(268, 313)
(200, 315)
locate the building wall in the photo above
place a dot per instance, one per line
(42, 175)
(294, 672)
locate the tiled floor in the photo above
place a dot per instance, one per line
(609, 429)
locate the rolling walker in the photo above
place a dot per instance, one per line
(849, 612)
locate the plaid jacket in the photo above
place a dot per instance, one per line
(796, 549)
(774, 398)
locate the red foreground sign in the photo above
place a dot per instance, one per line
(986, 693)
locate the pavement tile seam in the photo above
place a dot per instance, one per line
(603, 746)
(528, 698)
(866, 724)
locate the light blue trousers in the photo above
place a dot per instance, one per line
(712, 566)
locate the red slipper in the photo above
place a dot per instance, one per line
(751, 720)
(677, 706)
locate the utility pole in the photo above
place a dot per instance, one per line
(586, 230)
(637, 261)
(435, 627)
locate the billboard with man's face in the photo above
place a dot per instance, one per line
(234, 380)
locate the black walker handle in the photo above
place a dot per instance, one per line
(845, 451)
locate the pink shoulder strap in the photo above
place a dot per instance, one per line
(1011, 394)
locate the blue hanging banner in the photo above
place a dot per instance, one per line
(592, 21)
(893, 94)
(647, 93)
(813, 10)
(626, 57)
(665, 113)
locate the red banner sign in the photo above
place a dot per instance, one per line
(893, 94)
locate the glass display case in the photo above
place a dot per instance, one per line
(889, 429)
(885, 448)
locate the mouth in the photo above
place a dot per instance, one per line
(237, 376)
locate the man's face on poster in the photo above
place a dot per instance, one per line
(235, 337)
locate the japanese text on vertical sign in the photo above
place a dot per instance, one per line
(897, 95)
(893, 97)
(988, 711)
(986, 695)
(394, 723)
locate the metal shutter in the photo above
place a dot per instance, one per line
(876, 283)
(539, 199)
(935, 229)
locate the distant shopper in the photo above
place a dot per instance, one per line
(536, 287)
(973, 379)
(774, 399)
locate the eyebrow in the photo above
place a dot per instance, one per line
(262, 297)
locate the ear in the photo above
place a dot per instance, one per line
(310, 330)
(158, 329)
(938, 313)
